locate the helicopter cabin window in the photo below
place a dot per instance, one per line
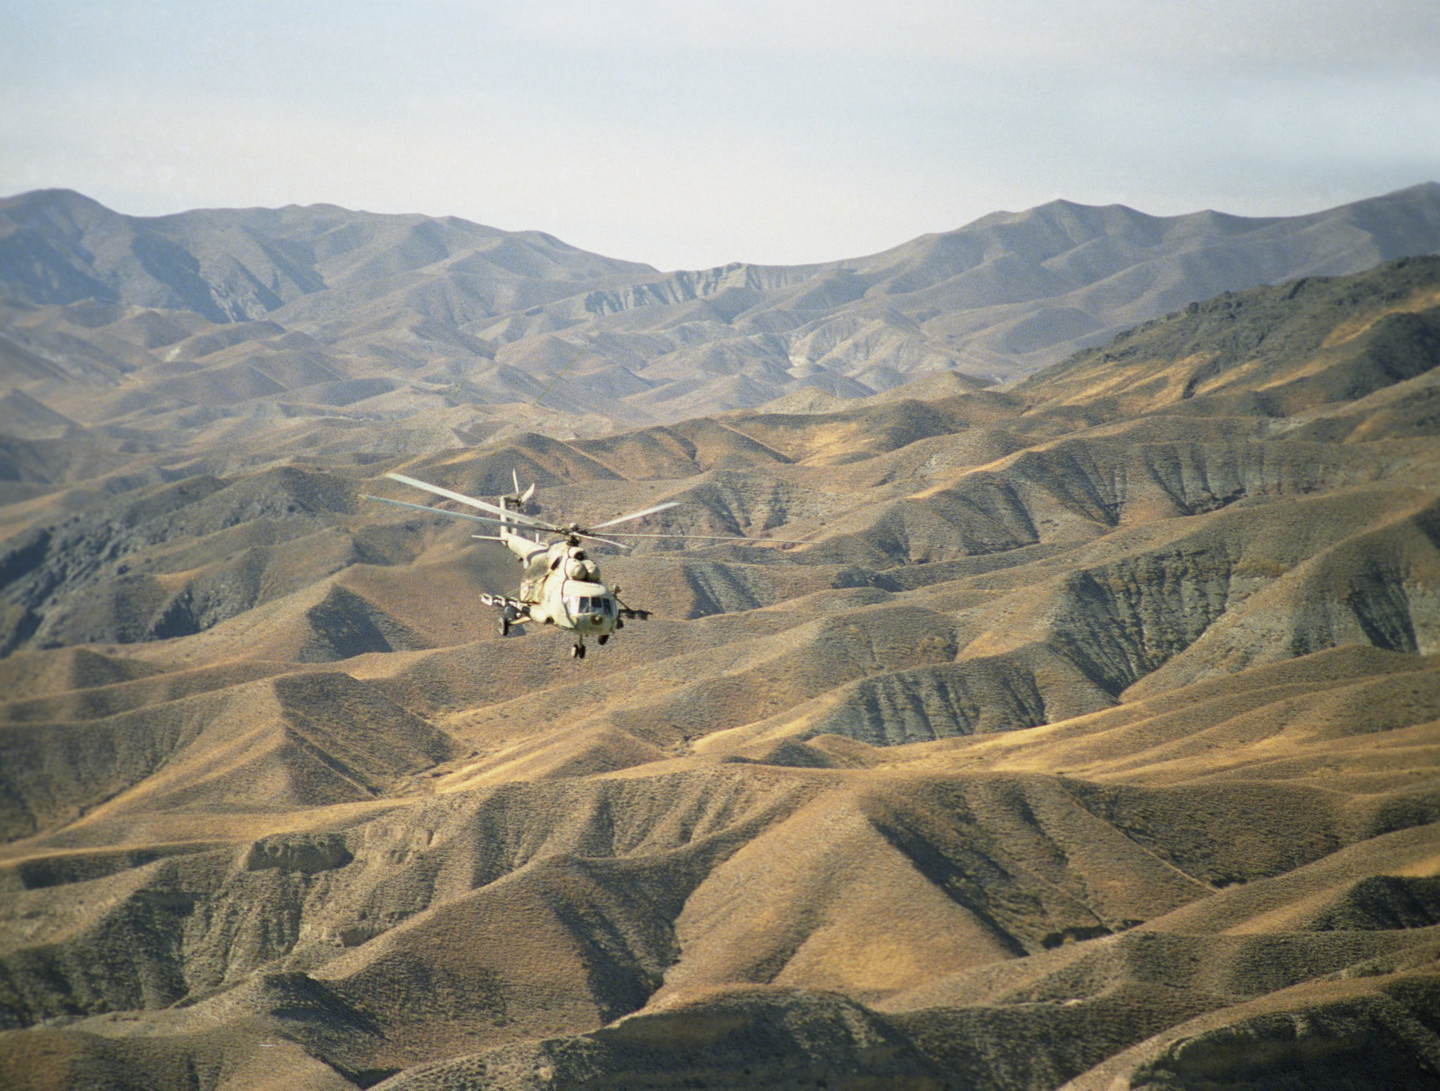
(599, 604)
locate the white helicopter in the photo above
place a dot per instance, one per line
(561, 584)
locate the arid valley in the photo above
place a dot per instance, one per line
(1063, 708)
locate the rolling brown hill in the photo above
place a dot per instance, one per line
(1082, 732)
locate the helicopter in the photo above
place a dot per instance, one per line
(560, 583)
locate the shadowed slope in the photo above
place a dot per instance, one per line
(295, 740)
(308, 324)
(1091, 734)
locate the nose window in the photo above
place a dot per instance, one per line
(598, 604)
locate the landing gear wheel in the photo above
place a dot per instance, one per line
(577, 651)
(504, 626)
(602, 638)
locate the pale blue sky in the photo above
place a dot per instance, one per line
(690, 135)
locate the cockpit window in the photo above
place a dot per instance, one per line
(597, 604)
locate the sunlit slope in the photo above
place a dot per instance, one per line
(1082, 732)
(199, 334)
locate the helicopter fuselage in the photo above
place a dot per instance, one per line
(561, 586)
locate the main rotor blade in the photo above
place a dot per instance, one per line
(597, 538)
(514, 516)
(637, 514)
(714, 538)
(478, 519)
(434, 511)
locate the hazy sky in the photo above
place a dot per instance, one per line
(693, 134)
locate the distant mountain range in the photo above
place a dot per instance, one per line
(336, 316)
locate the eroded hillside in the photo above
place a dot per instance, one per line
(303, 329)
(1078, 732)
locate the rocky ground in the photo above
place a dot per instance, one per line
(1088, 737)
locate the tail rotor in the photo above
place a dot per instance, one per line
(517, 500)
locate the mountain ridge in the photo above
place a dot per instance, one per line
(440, 304)
(1075, 731)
